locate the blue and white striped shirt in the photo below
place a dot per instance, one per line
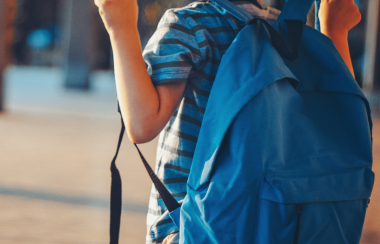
(187, 46)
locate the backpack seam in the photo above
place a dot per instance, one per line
(258, 207)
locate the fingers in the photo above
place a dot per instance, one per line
(343, 2)
(339, 15)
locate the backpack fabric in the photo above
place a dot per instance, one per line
(284, 154)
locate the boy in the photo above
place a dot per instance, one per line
(170, 97)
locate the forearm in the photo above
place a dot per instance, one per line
(145, 108)
(341, 43)
(138, 98)
(337, 18)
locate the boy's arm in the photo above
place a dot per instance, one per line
(337, 17)
(144, 107)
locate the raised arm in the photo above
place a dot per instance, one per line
(144, 107)
(337, 18)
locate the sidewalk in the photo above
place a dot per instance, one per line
(56, 147)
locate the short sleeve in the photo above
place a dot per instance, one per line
(172, 51)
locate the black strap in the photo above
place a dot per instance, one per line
(169, 200)
(295, 30)
(116, 194)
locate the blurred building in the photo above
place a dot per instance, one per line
(7, 14)
(36, 32)
(40, 25)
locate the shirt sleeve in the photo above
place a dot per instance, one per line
(172, 51)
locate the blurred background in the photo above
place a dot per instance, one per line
(59, 123)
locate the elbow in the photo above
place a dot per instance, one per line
(140, 134)
(136, 139)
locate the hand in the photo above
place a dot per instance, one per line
(118, 14)
(337, 17)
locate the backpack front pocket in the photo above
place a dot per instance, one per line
(313, 207)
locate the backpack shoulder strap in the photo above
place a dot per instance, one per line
(296, 10)
(293, 9)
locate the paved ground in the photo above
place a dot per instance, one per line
(55, 148)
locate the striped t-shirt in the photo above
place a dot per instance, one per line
(187, 46)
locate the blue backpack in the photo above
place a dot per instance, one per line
(284, 154)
